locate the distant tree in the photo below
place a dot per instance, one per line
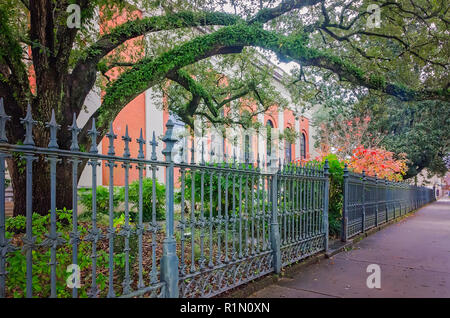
(421, 130)
(342, 136)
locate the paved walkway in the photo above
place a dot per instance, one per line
(414, 257)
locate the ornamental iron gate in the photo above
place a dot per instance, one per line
(370, 202)
(223, 223)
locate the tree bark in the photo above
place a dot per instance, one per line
(41, 111)
(41, 185)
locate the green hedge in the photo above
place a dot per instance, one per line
(213, 189)
(133, 197)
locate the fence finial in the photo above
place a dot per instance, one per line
(53, 144)
(3, 119)
(93, 133)
(326, 168)
(154, 144)
(170, 141)
(346, 170)
(111, 136)
(127, 140)
(75, 131)
(29, 122)
(141, 142)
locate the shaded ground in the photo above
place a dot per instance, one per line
(414, 257)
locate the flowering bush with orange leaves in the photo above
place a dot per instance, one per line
(373, 161)
(378, 161)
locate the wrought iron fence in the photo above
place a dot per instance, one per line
(226, 223)
(303, 211)
(370, 202)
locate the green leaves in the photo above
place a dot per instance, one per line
(147, 207)
(133, 197)
(102, 199)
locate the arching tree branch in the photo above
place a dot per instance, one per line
(84, 73)
(149, 71)
(266, 15)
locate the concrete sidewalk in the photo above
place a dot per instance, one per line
(414, 257)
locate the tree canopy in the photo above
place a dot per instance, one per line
(421, 130)
(331, 42)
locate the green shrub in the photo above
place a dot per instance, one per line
(147, 199)
(336, 194)
(102, 199)
(119, 258)
(16, 260)
(213, 189)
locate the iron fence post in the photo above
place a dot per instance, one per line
(326, 174)
(345, 207)
(376, 200)
(274, 226)
(363, 216)
(169, 260)
(75, 234)
(386, 199)
(29, 240)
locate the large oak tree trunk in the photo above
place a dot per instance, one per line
(41, 167)
(41, 184)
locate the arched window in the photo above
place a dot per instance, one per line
(269, 127)
(303, 146)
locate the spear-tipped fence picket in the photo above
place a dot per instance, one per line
(240, 222)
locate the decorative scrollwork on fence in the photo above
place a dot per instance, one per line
(295, 252)
(214, 281)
